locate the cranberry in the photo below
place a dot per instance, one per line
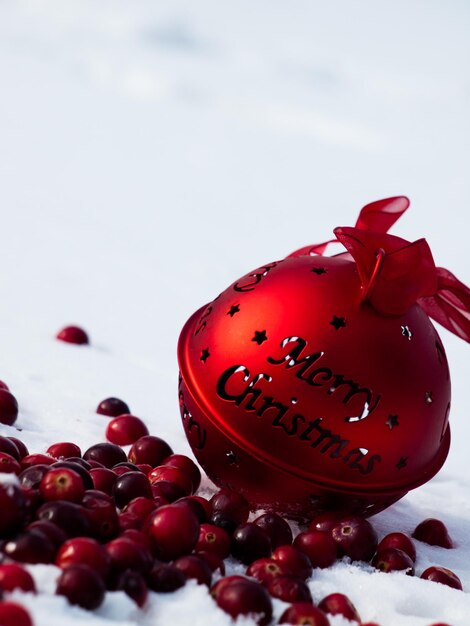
(297, 561)
(102, 515)
(393, 560)
(171, 474)
(245, 597)
(84, 550)
(30, 478)
(103, 479)
(194, 567)
(133, 585)
(70, 517)
(138, 537)
(303, 613)
(127, 554)
(128, 521)
(36, 459)
(9, 465)
(10, 447)
(433, 532)
(355, 537)
(265, 570)
(319, 546)
(8, 408)
(129, 486)
(213, 539)
(205, 504)
(79, 469)
(112, 407)
(141, 508)
(22, 449)
(400, 541)
(186, 465)
(63, 450)
(50, 531)
(229, 509)
(168, 490)
(165, 578)
(339, 604)
(193, 502)
(12, 507)
(13, 576)
(30, 547)
(125, 429)
(149, 449)
(3, 385)
(82, 586)
(442, 575)
(250, 542)
(326, 521)
(106, 453)
(213, 561)
(289, 589)
(78, 460)
(13, 614)
(124, 468)
(73, 334)
(62, 483)
(276, 527)
(174, 530)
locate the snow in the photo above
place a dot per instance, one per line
(150, 153)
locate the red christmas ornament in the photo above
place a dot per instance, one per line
(317, 382)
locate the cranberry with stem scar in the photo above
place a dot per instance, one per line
(9, 465)
(393, 560)
(304, 614)
(355, 537)
(213, 539)
(266, 569)
(61, 483)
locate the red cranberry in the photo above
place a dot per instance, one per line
(265, 570)
(9, 446)
(30, 478)
(106, 453)
(78, 469)
(13, 614)
(112, 407)
(84, 550)
(8, 408)
(82, 586)
(36, 459)
(129, 486)
(339, 604)
(127, 554)
(194, 567)
(250, 542)
(73, 334)
(149, 449)
(213, 561)
(229, 509)
(174, 531)
(123, 468)
(128, 521)
(433, 532)
(172, 474)
(355, 537)
(442, 575)
(276, 527)
(400, 541)
(193, 502)
(13, 509)
(53, 533)
(141, 508)
(70, 517)
(165, 578)
(102, 515)
(138, 537)
(223, 582)
(393, 560)
(62, 484)
(13, 576)
(78, 460)
(205, 504)
(245, 597)
(9, 465)
(303, 613)
(168, 490)
(319, 546)
(103, 479)
(133, 585)
(63, 450)
(187, 466)
(125, 429)
(22, 449)
(30, 547)
(326, 521)
(289, 589)
(298, 562)
(213, 539)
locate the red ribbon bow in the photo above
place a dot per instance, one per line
(396, 273)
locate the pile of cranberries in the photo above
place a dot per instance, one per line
(132, 522)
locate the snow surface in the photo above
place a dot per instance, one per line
(151, 152)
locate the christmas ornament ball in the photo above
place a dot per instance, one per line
(319, 383)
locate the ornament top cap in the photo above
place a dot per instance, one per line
(396, 273)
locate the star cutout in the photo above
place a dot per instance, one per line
(205, 354)
(319, 270)
(402, 462)
(428, 397)
(235, 308)
(406, 332)
(260, 336)
(392, 421)
(232, 458)
(338, 322)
